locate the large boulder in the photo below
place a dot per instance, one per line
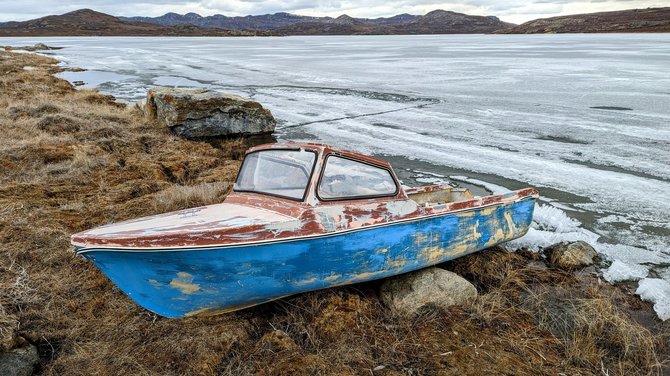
(409, 293)
(19, 362)
(198, 113)
(570, 256)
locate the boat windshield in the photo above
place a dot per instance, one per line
(283, 173)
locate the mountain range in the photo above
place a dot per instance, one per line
(435, 22)
(86, 22)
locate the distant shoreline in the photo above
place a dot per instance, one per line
(493, 35)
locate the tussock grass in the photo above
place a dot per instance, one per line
(188, 196)
(594, 332)
(71, 160)
(586, 318)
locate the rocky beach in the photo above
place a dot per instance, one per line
(74, 159)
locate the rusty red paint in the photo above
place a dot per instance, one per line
(426, 188)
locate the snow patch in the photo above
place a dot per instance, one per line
(421, 173)
(615, 219)
(493, 188)
(176, 81)
(630, 254)
(430, 180)
(656, 291)
(550, 226)
(564, 207)
(620, 271)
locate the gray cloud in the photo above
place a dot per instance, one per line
(512, 11)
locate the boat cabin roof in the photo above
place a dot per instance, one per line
(323, 150)
(316, 173)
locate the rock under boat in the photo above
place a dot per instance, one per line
(301, 217)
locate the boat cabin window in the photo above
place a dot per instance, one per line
(344, 178)
(283, 173)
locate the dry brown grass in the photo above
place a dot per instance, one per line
(594, 332)
(188, 196)
(71, 160)
(591, 321)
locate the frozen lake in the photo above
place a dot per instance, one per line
(585, 118)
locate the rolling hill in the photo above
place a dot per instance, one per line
(632, 20)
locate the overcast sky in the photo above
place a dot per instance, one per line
(516, 11)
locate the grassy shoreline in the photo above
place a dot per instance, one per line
(73, 159)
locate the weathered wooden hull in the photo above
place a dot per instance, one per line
(192, 281)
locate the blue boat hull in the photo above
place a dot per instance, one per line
(187, 282)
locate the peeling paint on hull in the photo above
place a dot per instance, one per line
(216, 280)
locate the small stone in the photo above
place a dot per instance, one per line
(19, 362)
(570, 256)
(409, 293)
(277, 341)
(528, 254)
(537, 265)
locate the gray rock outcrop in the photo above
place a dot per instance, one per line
(19, 362)
(570, 256)
(409, 293)
(36, 47)
(198, 113)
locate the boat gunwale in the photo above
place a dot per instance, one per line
(82, 250)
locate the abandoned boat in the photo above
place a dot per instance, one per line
(301, 217)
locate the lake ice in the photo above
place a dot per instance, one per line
(584, 118)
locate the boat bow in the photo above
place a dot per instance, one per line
(202, 226)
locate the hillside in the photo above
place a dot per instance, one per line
(86, 22)
(444, 22)
(633, 20)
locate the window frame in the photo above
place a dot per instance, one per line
(309, 178)
(348, 198)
